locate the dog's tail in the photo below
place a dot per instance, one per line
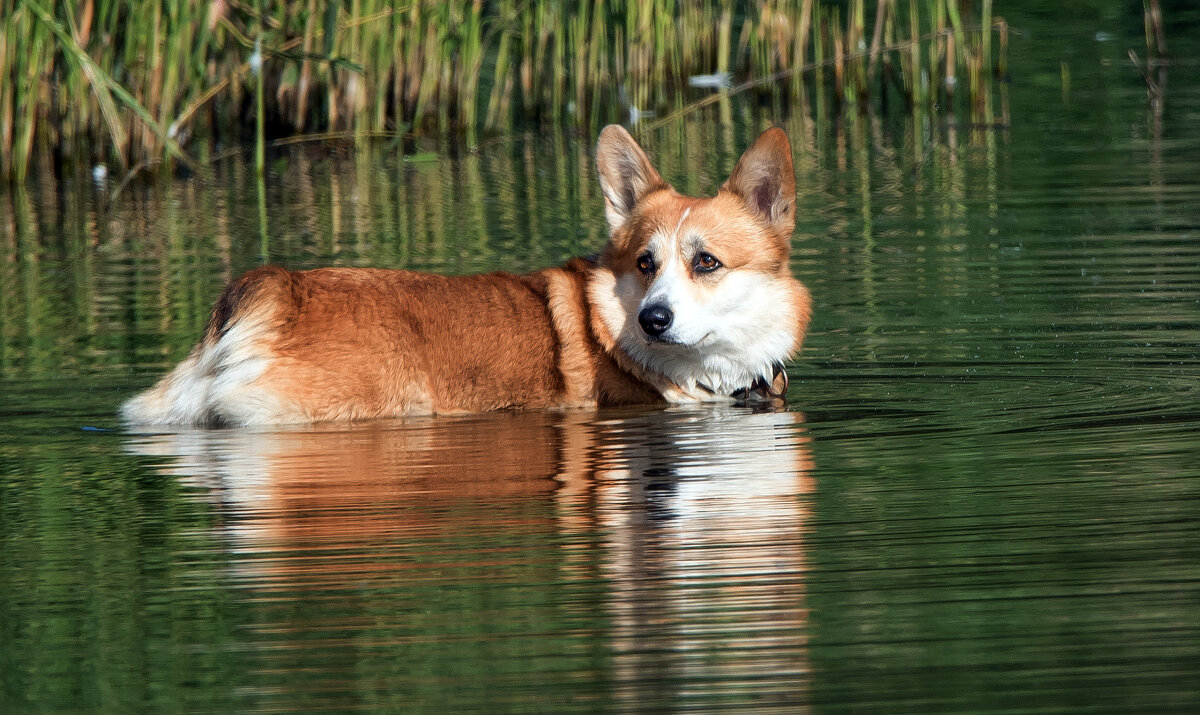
(177, 399)
(235, 351)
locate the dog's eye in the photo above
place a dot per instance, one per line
(705, 263)
(645, 263)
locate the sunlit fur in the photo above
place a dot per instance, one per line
(731, 326)
(345, 344)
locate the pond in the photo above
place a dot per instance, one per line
(984, 495)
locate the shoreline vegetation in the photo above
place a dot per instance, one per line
(131, 85)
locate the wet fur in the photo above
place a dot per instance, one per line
(344, 344)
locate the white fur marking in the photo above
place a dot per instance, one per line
(675, 234)
(725, 338)
(216, 382)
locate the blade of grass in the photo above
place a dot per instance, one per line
(105, 86)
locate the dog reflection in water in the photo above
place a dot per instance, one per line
(694, 521)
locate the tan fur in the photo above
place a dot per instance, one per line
(346, 344)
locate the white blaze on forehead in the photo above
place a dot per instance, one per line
(670, 278)
(664, 246)
(679, 225)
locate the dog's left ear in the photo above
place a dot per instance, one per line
(765, 180)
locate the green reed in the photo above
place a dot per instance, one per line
(138, 83)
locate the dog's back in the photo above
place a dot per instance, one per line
(345, 343)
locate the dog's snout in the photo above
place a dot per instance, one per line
(655, 319)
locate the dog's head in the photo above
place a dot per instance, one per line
(698, 291)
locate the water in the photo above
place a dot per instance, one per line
(984, 496)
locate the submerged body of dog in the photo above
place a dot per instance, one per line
(691, 300)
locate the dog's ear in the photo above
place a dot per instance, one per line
(765, 180)
(625, 174)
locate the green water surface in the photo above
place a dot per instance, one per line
(985, 495)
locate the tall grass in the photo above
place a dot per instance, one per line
(133, 83)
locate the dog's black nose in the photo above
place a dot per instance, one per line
(655, 319)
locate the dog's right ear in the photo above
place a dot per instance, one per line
(625, 174)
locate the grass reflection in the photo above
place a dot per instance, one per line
(144, 270)
(94, 594)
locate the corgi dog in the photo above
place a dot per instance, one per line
(691, 300)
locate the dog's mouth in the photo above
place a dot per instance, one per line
(664, 340)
